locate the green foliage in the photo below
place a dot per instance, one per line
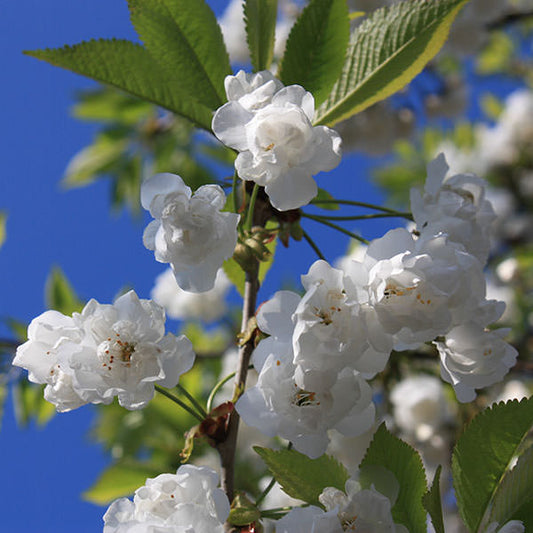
(120, 479)
(3, 218)
(30, 405)
(497, 55)
(432, 503)
(207, 342)
(130, 67)
(514, 498)
(185, 40)
(315, 50)
(386, 52)
(260, 17)
(403, 461)
(483, 456)
(60, 295)
(301, 477)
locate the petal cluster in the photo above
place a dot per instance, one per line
(271, 128)
(105, 351)
(188, 501)
(189, 231)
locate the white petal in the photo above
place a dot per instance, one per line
(292, 190)
(229, 125)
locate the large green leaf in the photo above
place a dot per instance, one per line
(386, 52)
(315, 50)
(184, 38)
(260, 17)
(301, 477)
(483, 456)
(120, 479)
(130, 67)
(516, 493)
(432, 503)
(403, 461)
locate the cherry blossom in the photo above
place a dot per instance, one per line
(278, 146)
(189, 231)
(186, 502)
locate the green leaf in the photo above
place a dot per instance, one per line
(260, 18)
(30, 405)
(403, 461)
(128, 66)
(515, 492)
(315, 50)
(386, 51)
(432, 503)
(3, 218)
(301, 477)
(92, 160)
(184, 38)
(60, 295)
(483, 455)
(329, 204)
(121, 479)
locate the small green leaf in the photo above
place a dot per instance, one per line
(60, 295)
(386, 51)
(185, 40)
(403, 461)
(30, 404)
(120, 479)
(497, 55)
(483, 455)
(328, 204)
(241, 516)
(315, 50)
(93, 160)
(130, 67)
(301, 477)
(432, 503)
(515, 492)
(3, 218)
(260, 17)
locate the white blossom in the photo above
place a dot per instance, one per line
(49, 335)
(189, 231)
(183, 305)
(186, 502)
(106, 351)
(309, 520)
(419, 288)
(419, 405)
(278, 146)
(252, 91)
(455, 206)
(513, 526)
(473, 358)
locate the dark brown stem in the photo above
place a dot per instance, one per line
(226, 449)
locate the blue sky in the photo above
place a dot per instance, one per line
(45, 470)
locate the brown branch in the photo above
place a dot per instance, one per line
(508, 19)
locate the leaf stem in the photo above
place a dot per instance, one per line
(263, 495)
(353, 202)
(313, 245)
(251, 206)
(334, 226)
(408, 216)
(234, 189)
(191, 398)
(176, 400)
(216, 388)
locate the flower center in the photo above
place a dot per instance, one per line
(115, 350)
(302, 398)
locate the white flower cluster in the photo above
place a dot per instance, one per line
(189, 231)
(104, 351)
(271, 127)
(356, 509)
(188, 501)
(407, 289)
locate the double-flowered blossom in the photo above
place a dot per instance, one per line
(271, 128)
(355, 509)
(454, 205)
(278, 405)
(104, 351)
(188, 501)
(189, 231)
